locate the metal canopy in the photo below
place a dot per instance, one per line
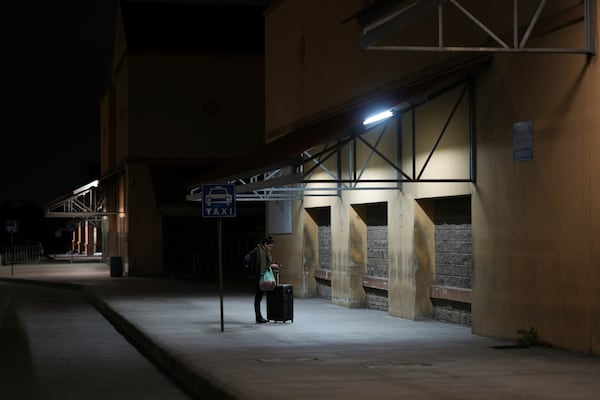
(86, 202)
(295, 179)
(386, 17)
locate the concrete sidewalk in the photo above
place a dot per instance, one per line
(327, 352)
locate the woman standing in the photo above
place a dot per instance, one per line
(263, 261)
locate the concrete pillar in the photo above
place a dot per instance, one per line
(90, 238)
(73, 241)
(86, 237)
(79, 237)
(346, 277)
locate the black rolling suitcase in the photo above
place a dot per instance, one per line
(280, 303)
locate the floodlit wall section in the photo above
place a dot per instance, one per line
(446, 118)
(319, 220)
(366, 164)
(535, 224)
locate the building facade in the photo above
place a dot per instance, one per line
(477, 201)
(173, 97)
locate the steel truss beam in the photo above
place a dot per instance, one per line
(379, 24)
(297, 180)
(86, 202)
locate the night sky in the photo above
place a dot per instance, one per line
(58, 55)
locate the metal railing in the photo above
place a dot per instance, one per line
(22, 254)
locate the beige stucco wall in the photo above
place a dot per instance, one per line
(288, 251)
(313, 62)
(173, 107)
(403, 267)
(425, 255)
(531, 220)
(144, 223)
(594, 128)
(535, 224)
(410, 228)
(593, 122)
(347, 273)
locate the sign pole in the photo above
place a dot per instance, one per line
(12, 256)
(218, 200)
(219, 231)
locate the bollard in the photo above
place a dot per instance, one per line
(116, 266)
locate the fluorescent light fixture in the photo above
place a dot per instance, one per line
(86, 187)
(378, 117)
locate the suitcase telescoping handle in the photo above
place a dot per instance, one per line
(276, 273)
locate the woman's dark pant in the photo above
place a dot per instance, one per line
(257, 299)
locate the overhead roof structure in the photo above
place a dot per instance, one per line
(383, 19)
(85, 202)
(285, 168)
(289, 175)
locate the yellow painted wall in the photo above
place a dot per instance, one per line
(403, 265)
(594, 144)
(531, 220)
(445, 117)
(288, 251)
(425, 255)
(536, 224)
(593, 125)
(313, 62)
(309, 251)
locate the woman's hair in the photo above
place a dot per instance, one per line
(267, 240)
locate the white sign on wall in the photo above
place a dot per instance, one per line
(523, 141)
(280, 216)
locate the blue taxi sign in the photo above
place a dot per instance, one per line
(218, 200)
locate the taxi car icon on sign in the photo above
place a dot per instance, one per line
(218, 195)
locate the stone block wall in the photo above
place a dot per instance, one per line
(376, 299)
(453, 244)
(324, 235)
(323, 289)
(452, 311)
(377, 254)
(453, 256)
(377, 251)
(322, 216)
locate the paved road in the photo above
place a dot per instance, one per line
(55, 345)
